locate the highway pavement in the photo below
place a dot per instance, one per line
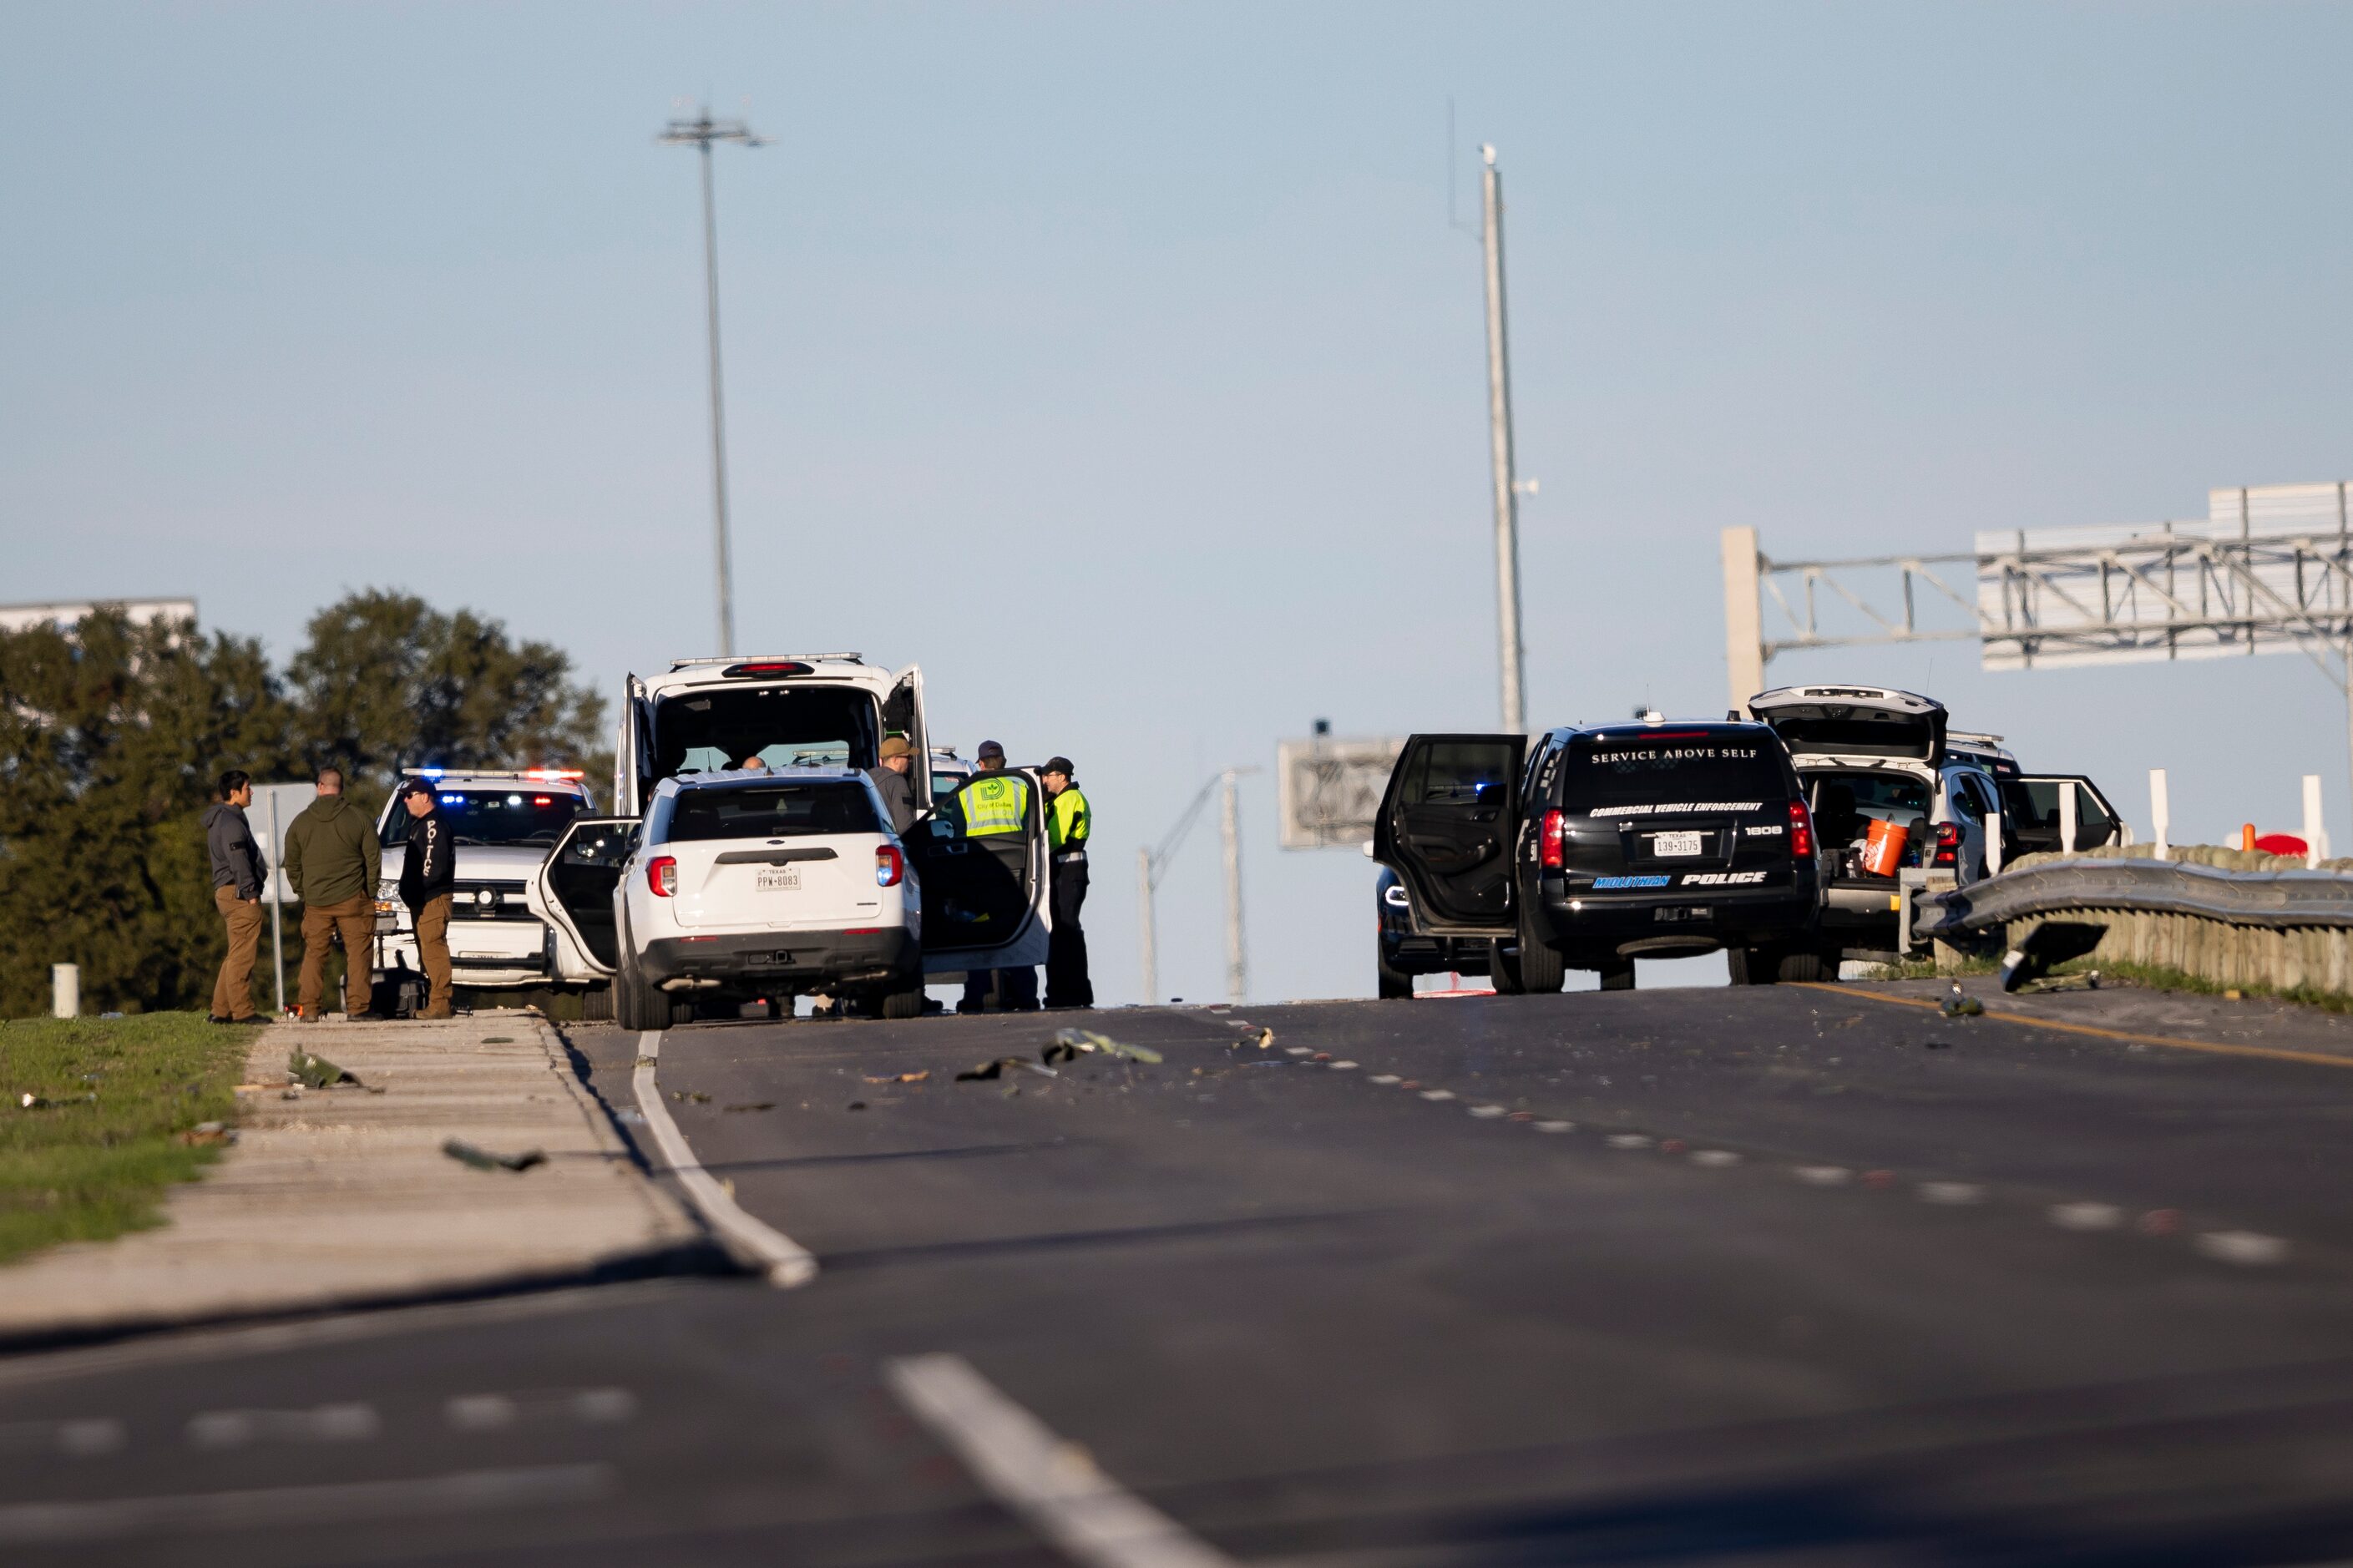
(1791, 1275)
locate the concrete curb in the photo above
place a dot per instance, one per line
(342, 1199)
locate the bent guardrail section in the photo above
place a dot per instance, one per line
(2285, 929)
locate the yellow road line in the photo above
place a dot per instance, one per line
(2274, 1053)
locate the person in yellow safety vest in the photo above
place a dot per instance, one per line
(989, 805)
(1068, 823)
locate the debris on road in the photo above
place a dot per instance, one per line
(857, 1105)
(209, 1132)
(481, 1159)
(696, 1095)
(899, 1077)
(986, 1071)
(1262, 1038)
(763, 1105)
(313, 1071)
(1069, 1045)
(1957, 1006)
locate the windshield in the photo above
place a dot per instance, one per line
(712, 730)
(477, 815)
(1643, 774)
(763, 811)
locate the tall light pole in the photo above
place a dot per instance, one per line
(1152, 864)
(1499, 427)
(701, 132)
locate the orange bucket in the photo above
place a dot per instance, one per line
(1882, 849)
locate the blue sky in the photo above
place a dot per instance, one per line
(1119, 364)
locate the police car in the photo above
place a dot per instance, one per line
(1591, 848)
(505, 825)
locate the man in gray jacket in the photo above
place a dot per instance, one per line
(237, 873)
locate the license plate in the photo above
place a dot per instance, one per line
(1665, 844)
(780, 880)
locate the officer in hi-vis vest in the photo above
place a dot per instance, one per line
(993, 804)
(1068, 823)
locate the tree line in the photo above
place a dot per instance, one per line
(112, 734)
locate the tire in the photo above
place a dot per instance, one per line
(1540, 968)
(1503, 969)
(1748, 965)
(1803, 965)
(595, 1004)
(635, 1006)
(903, 1004)
(1389, 985)
(1618, 974)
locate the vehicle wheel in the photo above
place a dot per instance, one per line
(1749, 965)
(635, 1006)
(903, 1004)
(1389, 985)
(1503, 969)
(1540, 969)
(595, 1004)
(1803, 964)
(1618, 974)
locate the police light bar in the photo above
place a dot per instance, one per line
(541, 774)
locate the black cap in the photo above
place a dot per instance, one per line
(1058, 766)
(413, 786)
(990, 748)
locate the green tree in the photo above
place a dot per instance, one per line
(110, 738)
(386, 682)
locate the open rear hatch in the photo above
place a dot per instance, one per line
(1854, 721)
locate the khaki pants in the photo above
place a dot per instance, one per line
(355, 917)
(433, 953)
(233, 992)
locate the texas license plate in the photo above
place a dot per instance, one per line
(1674, 844)
(780, 880)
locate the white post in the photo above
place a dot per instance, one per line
(1237, 969)
(1744, 646)
(1993, 842)
(2161, 814)
(1499, 436)
(65, 990)
(2067, 823)
(1147, 939)
(2313, 847)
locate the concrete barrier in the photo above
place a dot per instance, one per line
(2229, 916)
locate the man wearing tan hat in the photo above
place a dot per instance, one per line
(891, 781)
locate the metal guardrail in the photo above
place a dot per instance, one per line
(2274, 899)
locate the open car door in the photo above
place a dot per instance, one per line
(633, 751)
(573, 893)
(986, 902)
(1853, 722)
(2059, 813)
(1447, 825)
(903, 714)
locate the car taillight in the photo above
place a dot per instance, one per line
(890, 865)
(1549, 842)
(661, 876)
(1949, 844)
(1802, 831)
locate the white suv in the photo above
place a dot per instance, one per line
(504, 826)
(1869, 753)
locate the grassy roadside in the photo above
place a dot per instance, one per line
(95, 1161)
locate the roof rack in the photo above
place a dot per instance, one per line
(677, 664)
(1971, 738)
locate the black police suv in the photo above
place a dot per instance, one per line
(1588, 849)
(1403, 953)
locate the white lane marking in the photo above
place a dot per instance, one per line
(2087, 1217)
(1555, 1126)
(1383, 1078)
(1714, 1157)
(325, 1424)
(1051, 1483)
(1822, 1175)
(1951, 1192)
(480, 1412)
(1296, 1050)
(463, 1491)
(1438, 1094)
(1342, 1067)
(1627, 1140)
(2243, 1246)
(82, 1439)
(493, 1412)
(1488, 1111)
(787, 1261)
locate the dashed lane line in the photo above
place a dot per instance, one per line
(2273, 1053)
(1051, 1483)
(785, 1262)
(277, 1508)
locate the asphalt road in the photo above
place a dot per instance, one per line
(1782, 1276)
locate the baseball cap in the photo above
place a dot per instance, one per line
(990, 748)
(412, 786)
(896, 746)
(1058, 766)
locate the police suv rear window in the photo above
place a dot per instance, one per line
(1660, 774)
(769, 811)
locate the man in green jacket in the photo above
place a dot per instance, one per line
(332, 863)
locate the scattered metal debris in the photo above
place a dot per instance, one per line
(1069, 1045)
(313, 1071)
(763, 1105)
(986, 1071)
(696, 1095)
(1957, 1006)
(899, 1077)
